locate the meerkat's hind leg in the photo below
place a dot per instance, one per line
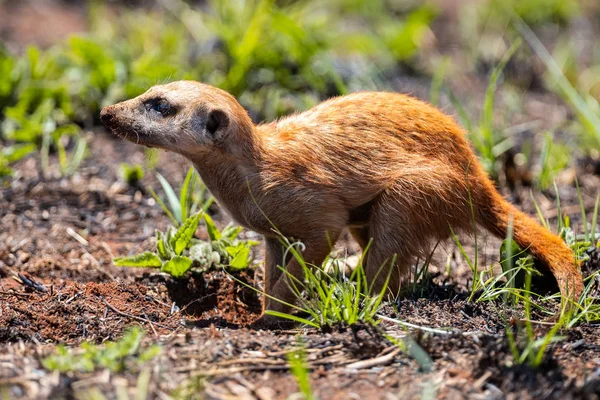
(402, 227)
(389, 255)
(274, 253)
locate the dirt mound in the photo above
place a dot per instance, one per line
(74, 312)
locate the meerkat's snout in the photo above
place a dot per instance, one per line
(106, 115)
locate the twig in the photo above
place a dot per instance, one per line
(255, 361)
(226, 371)
(409, 325)
(308, 351)
(151, 324)
(19, 245)
(124, 314)
(77, 237)
(16, 294)
(381, 360)
(96, 264)
(32, 284)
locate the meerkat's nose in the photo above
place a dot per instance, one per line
(106, 115)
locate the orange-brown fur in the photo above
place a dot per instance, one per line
(388, 166)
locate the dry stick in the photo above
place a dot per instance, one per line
(259, 361)
(374, 361)
(222, 371)
(151, 324)
(309, 351)
(124, 314)
(16, 294)
(95, 263)
(32, 284)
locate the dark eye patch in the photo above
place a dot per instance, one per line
(160, 106)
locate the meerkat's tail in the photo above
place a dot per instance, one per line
(496, 214)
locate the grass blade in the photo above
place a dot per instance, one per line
(583, 216)
(291, 317)
(184, 193)
(171, 197)
(164, 207)
(595, 219)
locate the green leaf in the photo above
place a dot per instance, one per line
(142, 260)
(149, 353)
(15, 153)
(231, 231)
(184, 234)
(241, 256)
(213, 232)
(200, 251)
(162, 251)
(177, 266)
(163, 248)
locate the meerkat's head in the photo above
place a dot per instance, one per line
(186, 117)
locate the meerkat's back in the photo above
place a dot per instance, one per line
(367, 142)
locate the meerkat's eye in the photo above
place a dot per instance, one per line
(160, 106)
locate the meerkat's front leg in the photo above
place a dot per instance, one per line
(315, 251)
(274, 251)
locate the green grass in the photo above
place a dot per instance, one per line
(554, 158)
(331, 299)
(297, 362)
(114, 356)
(513, 286)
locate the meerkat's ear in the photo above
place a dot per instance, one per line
(216, 123)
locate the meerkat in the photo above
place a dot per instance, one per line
(392, 169)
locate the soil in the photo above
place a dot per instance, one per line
(58, 286)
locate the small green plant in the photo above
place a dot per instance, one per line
(37, 110)
(115, 356)
(419, 277)
(193, 196)
(332, 299)
(177, 251)
(530, 349)
(131, 173)
(297, 362)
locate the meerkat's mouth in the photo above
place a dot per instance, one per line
(126, 132)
